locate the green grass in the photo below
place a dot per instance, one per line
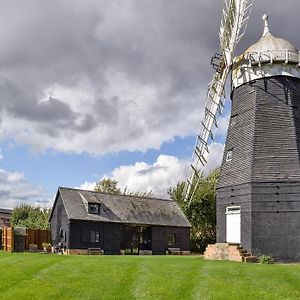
(36, 276)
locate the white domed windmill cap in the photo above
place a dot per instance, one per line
(270, 56)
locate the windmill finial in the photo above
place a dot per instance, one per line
(266, 30)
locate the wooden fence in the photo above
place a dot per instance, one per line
(8, 239)
(33, 236)
(37, 237)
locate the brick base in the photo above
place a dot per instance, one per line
(224, 251)
(80, 252)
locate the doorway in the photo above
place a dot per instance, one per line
(136, 238)
(233, 224)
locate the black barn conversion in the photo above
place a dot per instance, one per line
(82, 221)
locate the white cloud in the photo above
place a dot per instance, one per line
(14, 190)
(223, 125)
(128, 116)
(90, 186)
(157, 177)
(121, 75)
(107, 77)
(214, 158)
(165, 172)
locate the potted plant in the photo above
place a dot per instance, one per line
(46, 247)
(32, 248)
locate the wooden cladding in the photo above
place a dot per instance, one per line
(33, 236)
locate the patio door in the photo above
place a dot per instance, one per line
(135, 238)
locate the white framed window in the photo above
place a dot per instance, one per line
(229, 154)
(233, 210)
(171, 239)
(94, 208)
(95, 236)
(233, 120)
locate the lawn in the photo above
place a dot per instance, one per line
(37, 276)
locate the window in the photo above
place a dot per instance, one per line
(229, 154)
(88, 236)
(171, 239)
(95, 236)
(94, 209)
(233, 120)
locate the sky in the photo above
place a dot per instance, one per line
(93, 89)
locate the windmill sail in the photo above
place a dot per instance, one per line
(233, 25)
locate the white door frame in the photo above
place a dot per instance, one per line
(233, 224)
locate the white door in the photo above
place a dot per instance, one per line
(233, 224)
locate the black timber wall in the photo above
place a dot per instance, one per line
(276, 220)
(59, 224)
(160, 238)
(264, 175)
(275, 148)
(110, 236)
(240, 138)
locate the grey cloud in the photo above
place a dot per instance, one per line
(107, 110)
(14, 189)
(162, 45)
(151, 170)
(4, 194)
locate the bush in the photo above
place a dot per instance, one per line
(200, 209)
(265, 259)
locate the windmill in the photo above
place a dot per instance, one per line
(233, 25)
(258, 190)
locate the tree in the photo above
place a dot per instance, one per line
(200, 210)
(31, 217)
(110, 186)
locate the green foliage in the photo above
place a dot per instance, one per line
(31, 217)
(107, 185)
(110, 186)
(200, 210)
(265, 259)
(128, 192)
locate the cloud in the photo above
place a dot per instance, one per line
(105, 76)
(214, 158)
(165, 172)
(157, 177)
(90, 186)
(14, 190)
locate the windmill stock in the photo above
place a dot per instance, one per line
(233, 25)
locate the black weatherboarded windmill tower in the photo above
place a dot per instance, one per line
(258, 192)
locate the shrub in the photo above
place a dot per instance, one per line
(265, 259)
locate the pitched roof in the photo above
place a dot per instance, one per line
(4, 211)
(122, 208)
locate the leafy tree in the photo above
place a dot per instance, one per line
(107, 185)
(31, 217)
(200, 210)
(128, 192)
(110, 186)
